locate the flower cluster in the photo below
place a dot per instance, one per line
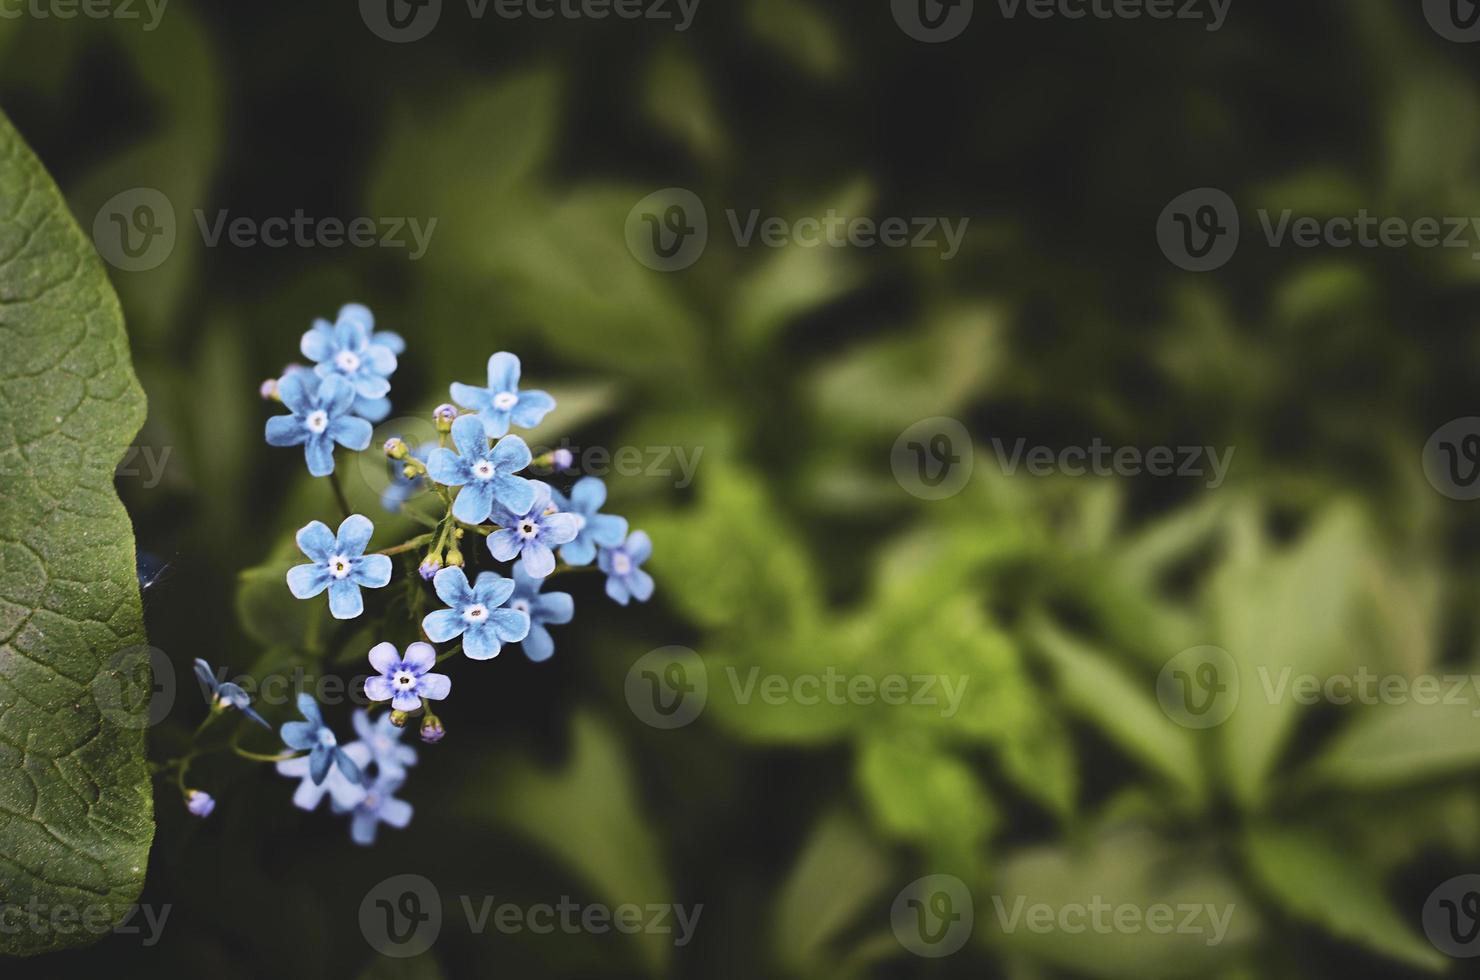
(481, 481)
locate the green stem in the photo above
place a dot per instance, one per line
(339, 493)
(411, 545)
(448, 655)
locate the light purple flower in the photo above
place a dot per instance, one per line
(378, 806)
(383, 739)
(404, 682)
(531, 533)
(625, 579)
(200, 803)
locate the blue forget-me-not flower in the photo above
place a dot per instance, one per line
(225, 694)
(552, 608)
(475, 613)
(318, 740)
(502, 402)
(625, 579)
(606, 530)
(339, 564)
(531, 533)
(405, 681)
(321, 417)
(485, 475)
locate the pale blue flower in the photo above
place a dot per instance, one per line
(318, 740)
(404, 682)
(552, 608)
(321, 417)
(383, 739)
(605, 530)
(352, 350)
(502, 402)
(339, 564)
(474, 613)
(485, 475)
(378, 806)
(532, 533)
(625, 579)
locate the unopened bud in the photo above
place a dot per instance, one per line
(395, 448)
(444, 415)
(432, 731)
(269, 390)
(399, 718)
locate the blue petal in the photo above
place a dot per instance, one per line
(470, 397)
(354, 535)
(372, 409)
(336, 395)
(511, 454)
(554, 607)
(443, 624)
(444, 467)
(350, 333)
(318, 343)
(362, 827)
(372, 571)
(307, 581)
(319, 452)
(532, 407)
(480, 643)
(347, 766)
(468, 437)
(587, 496)
(538, 560)
(250, 713)
(639, 547)
(319, 762)
(539, 646)
(316, 541)
(503, 372)
(514, 492)
(557, 529)
(617, 589)
(607, 530)
(581, 551)
(351, 432)
(380, 359)
(492, 589)
(451, 585)
(504, 544)
(641, 584)
(309, 708)
(474, 502)
(297, 389)
(525, 584)
(205, 676)
(368, 385)
(286, 430)
(345, 601)
(495, 421)
(300, 735)
(359, 312)
(510, 625)
(390, 340)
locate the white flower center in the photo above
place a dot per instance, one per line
(339, 566)
(326, 737)
(580, 522)
(483, 469)
(505, 400)
(520, 605)
(621, 564)
(404, 679)
(528, 528)
(317, 421)
(382, 744)
(347, 361)
(476, 613)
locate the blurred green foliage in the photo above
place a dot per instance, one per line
(793, 370)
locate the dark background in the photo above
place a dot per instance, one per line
(795, 371)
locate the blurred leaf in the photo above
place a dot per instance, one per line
(1128, 867)
(588, 816)
(1282, 610)
(1123, 709)
(837, 876)
(925, 796)
(423, 967)
(679, 100)
(76, 807)
(269, 613)
(1321, 881)
(1391, 745)
(801, 32)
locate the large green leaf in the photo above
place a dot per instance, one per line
(76, 814)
